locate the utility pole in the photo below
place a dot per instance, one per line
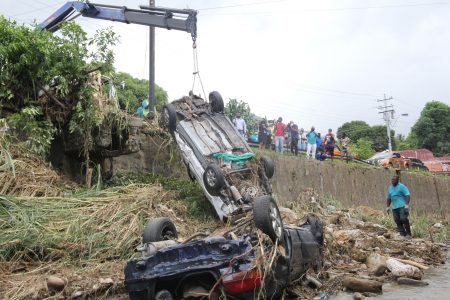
(388, 115)
(151, 67)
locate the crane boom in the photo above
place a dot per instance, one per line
(169, 18)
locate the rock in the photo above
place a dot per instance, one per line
(331, 207)
(362, 285)
(399, 269)
(409, 281)
(358, 296)
(376, 264)
(107, 281)
(76, 294)
(55, 283)
(438, 225)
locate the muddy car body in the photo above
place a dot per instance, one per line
(216, 155)
(219, 266)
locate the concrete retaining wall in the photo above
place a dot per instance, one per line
(354, 186)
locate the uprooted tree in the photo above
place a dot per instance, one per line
(46, 83)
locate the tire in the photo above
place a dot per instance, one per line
(159, 229)
(268, 165)
(213, 179)
(216, 102)
(267, 217)
(169, 118)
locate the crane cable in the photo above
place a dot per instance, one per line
(196, 70)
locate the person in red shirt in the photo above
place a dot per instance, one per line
(280, 129)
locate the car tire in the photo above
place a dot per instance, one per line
(169, 118)
(268, 165)
(268, 218)
(159, 229)
(213, 179)
(216, 102)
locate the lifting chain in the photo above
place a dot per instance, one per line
(196, 70)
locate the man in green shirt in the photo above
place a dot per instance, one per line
(398, 198)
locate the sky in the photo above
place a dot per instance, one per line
(318, 63)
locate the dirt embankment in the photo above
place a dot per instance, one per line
(354, 186)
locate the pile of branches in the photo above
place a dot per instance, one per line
(23, 173)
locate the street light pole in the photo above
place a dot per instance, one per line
(151, 67)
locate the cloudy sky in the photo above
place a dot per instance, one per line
(320, 62)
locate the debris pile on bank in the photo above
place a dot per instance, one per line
(76, 246)
(23, 173)
(360, 256)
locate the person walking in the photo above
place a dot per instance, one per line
(398, 198)
(311, 138)
(262, 134)
(240, 125)
(280, 129)
(295, 136)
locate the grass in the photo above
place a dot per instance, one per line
(198, 206)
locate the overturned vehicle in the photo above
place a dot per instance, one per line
(221, 267)
(216, 155)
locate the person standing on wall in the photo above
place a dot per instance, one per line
(311, 138)
(262, 134)
(330, 143)
(280, 129)
(398, 198)
(294, 139)
(240, 125)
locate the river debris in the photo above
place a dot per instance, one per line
(85, 239)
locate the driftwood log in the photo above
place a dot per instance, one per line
(399, 269)
(413, 263)
(362, 285)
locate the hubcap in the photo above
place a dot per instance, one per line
(275, 220)
(211, 178)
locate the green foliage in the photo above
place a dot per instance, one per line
(234, 106)
(39, 132)
(377, 134)
(33, 59)
(432, 129)
(363, 148)
(130, 98)
(355, 130)
(409, 143)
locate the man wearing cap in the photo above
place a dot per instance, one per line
(398, 198)
(240, 125)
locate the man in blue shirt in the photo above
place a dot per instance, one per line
(398, 198)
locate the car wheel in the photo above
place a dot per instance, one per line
(268, 218)
(168, 118)
(159, 229)
(216, 102)
(268, 165)
(213, 179)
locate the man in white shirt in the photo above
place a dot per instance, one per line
(240, 124)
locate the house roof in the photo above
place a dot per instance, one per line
(422, 154)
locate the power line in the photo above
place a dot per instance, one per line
(334, 9)
(241, 5)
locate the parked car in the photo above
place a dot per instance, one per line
(390, 159)
(417, 164)
(219, 267)
(216, 155)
